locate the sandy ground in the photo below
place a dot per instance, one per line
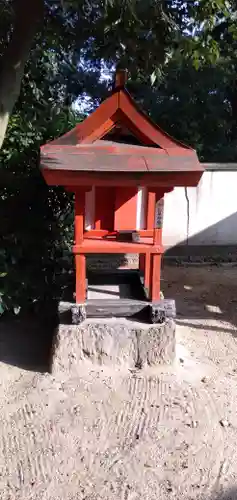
(112, 434)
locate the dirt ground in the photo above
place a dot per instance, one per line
(112, 434)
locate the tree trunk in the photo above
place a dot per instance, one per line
(27, 13)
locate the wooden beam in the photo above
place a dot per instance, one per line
(100, 121)
(157, 236)
(152, 179)
(98, 246)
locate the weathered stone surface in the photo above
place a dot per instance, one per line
(156, 345)
(113, 342)
(78, 314)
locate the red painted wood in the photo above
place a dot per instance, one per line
(171, 155)
(157, 236)
(145, 233)
(165, 179)
(100, 131)
(153, 262)
(125, 208)
(104, 208)
(121, 78)
(97, 233)
(80, 261)
(147, 276)
(159, 193)
(103, 114)
(96, 245)
(151, 207)
(79, 215)
(155, 277)
(102, 147)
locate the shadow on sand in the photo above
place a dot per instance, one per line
(203, 293)
(206, 297)
(230, 494)
(27, 343)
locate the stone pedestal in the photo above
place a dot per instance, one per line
(113, 342)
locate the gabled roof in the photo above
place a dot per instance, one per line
(97, 144)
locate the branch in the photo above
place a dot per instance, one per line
(27, 13)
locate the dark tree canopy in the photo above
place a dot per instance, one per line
(73, 34)
(182, 62)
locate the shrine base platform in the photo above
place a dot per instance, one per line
(112, 342)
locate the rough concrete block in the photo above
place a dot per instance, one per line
(156, 345)
(113, 342)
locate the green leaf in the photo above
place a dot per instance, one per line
(153, 78)
(2, 308)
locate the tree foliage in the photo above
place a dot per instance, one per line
(34, 219)
(195, 107)
(143, 36)
(181, 58)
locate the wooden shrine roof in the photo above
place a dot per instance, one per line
(110, 156)
(118, 137)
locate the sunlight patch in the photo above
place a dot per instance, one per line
(213, 309)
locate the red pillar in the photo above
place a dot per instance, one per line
(80, 259)
(151, 207)
(155, 277)
(150, 222)
(156, 258)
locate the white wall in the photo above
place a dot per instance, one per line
(206, 215)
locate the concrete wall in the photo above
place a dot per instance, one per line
(206, 215)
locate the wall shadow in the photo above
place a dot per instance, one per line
(106, 262)
(218, 240)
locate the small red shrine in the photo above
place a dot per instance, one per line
(119, 164)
